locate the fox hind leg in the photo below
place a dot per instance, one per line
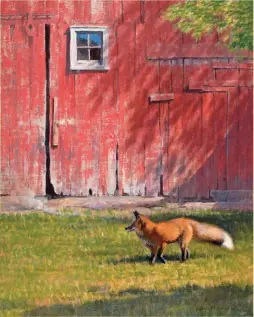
(184, 256)
(184, 243)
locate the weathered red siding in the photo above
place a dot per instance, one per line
(197, 140)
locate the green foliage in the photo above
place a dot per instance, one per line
(232, 19)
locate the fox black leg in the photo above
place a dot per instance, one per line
(184, 254)
(154, 254)
(160, 256)
(188, 254)
(153, 258)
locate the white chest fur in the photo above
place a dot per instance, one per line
(146, 243)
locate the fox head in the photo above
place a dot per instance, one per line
(137, 224)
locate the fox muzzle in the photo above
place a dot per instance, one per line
(130, 228)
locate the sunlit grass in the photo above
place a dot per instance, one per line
(88, 265)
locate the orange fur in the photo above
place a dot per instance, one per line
(156, 236)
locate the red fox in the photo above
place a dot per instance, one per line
(155, 236)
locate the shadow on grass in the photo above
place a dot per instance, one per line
(145, 258)
(139, 259)
(225, 300)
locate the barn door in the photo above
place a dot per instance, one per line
(204, 145)
(194, 138)
(23, 108)
(84, 121)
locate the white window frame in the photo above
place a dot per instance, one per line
(76, 64)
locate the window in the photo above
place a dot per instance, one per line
(89, 48)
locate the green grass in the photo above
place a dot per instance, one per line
(89, 266)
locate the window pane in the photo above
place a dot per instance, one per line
(82, 38)
(83, 54)
(95, 54)
(95, 39)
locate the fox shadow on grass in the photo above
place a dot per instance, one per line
(191, 300)
(168, 257)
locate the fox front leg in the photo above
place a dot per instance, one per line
(155, 250)
(160, 252)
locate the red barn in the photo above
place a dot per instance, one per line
(106, 97)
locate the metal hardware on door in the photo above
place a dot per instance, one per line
(30, 28)
(55, 124)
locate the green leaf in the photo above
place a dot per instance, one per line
(200, 17)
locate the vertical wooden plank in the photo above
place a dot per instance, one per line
(245, 135)
(37, 107)
(177, 75)
(165, 76)
(208, 146)
(152, 149)
(66, 113)
(88, 121)
(220, 104)
(22, 108)
(126, 56)
(83, 145)
(153, 160)
(175, 154)
(189, 146)
(233, 138)
(141, 109)
(109, 122)
(165, 87)
(57, 174)
(250, 139)
(8, 83)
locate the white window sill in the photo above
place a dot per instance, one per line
(96, 68)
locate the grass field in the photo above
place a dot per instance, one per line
(89, 266)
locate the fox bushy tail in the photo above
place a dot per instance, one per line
(212, 234)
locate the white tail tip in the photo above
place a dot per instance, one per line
(228, 242)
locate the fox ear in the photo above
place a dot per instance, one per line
(136, 214)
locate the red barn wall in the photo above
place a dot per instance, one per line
(108, 137)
